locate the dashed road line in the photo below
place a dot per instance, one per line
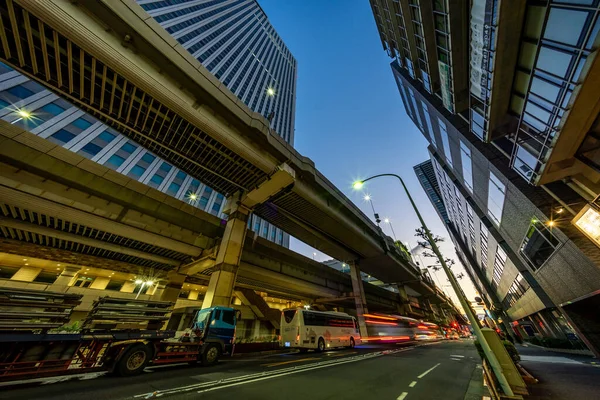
(402, 396)
(428, 371)
(412, 384)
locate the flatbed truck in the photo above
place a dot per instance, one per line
(29, 350)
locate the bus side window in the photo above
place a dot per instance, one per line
(218, 315)
(354, 322)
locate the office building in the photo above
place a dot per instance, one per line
(232, 39)
(235, 41)
(426, 176)
(507, 95)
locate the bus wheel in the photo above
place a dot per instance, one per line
(352, 344)
(321, 345)
(210, 355)
(134, 360)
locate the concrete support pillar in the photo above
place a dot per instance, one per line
(256, 329)
(404, 307)
(360, 300)
(172, 287)
(65, 279)
(222, 280)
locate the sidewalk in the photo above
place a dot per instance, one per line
(561, 376)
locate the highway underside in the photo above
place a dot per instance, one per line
(440, 370)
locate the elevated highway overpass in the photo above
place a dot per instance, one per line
(114, 61)
(58, 205)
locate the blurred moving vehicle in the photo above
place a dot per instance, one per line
(307, 329)
(390, 328)
(453, 336)
(427, 331)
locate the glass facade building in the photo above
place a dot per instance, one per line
(233, 39)
(508, 88)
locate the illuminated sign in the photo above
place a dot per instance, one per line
(588, 222)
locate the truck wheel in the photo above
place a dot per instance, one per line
(210, 355)
(133, 361)
(321, 345)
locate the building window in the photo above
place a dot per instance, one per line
(265, 231)
(445, 141)
(84, 281)
(90, 150)
(7, 272)
(430, 132)
(61, 137)
(496, 193)
(136, 172)
(516, 291)
(114, 285)
(499, 262)
(538, 245)
(46, 277)
(467, 165)
(414, 102)
(114, 161)
(484, 245)
(280, 238)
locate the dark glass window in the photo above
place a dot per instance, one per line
(62, 136)
(148, 158)
(538, 245)
(91, 149)
(106, 136)
(157, 179)
(136, 171)
(114, 285)
(20, 91)
(173, 188)
(7, 272)
(228, 317)
(46, 277)
(165, 167)
(81, 124)
(129, 148)
(115, 161)
(52, 109)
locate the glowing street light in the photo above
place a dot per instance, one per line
(270, 92)
(142, 283)
(459, 293)
(23, 114)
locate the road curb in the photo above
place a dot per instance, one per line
(476, 389)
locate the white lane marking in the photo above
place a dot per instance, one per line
(456, 355)
(402, 396)
(268, 374)
(412, 384)
(428, 371)
(456, 359)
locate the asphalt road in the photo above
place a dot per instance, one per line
(432, 371)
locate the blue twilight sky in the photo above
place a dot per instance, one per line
(349, 115)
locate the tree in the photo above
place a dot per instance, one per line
(424, 243)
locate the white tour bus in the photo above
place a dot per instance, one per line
(307, 329)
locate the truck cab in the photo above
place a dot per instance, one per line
(216, 325)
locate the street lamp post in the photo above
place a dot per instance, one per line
(463, 301)
(369, 199)
(387, 221)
